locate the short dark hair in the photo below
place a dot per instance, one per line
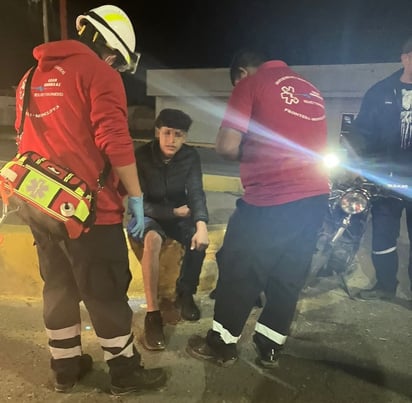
(174, 118)
(243, 59)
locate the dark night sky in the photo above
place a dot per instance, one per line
(185, 34)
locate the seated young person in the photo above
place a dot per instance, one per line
(174, 206)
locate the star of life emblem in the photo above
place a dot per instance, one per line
(288, 96)
(37, 188)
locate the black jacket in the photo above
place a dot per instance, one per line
(376, 132)
(166, 186)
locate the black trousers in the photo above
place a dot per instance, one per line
(182, 231)
(94, 269)
(386, 221)
(265, 249)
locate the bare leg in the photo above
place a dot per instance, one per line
(150, 269)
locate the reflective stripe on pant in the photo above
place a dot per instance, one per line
(93, 268)
(265, 249)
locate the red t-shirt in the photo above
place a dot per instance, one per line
(282, 118)
(77, 117)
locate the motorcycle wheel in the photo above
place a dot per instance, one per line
(322, 254)
(341, 257)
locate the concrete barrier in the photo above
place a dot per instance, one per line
(217, 183)
(19, 269)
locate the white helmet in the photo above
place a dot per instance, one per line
(117, 30)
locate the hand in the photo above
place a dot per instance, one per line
(182, 211)
(136, 224)
(200, 240)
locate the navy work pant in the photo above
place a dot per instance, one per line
(94, 269)
(386, 219)
(265, 249)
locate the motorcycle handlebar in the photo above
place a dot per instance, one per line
(375, 190)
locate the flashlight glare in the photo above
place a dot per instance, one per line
(331, 160)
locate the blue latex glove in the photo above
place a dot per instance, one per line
(136, 225)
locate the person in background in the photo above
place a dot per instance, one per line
(275, 126)
(174, 206)
(381, 137)
(77, 117)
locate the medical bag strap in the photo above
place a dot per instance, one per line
(26, 100)
(104, 174)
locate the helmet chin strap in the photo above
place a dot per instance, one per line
(110, 59)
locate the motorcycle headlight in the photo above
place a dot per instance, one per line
(353, 202)
(331, 160)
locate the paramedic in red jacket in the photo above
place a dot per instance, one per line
(77, 118)
(275, 125)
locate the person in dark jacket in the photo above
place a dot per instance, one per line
(381, 135)
(174, 206)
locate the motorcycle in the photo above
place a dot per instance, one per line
(350, 201)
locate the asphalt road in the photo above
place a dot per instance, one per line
(340, 350)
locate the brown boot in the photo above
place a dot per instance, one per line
(153, 337)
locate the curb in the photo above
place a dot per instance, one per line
(19, 266)
(222, 183)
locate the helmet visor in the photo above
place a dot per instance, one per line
(122, 66)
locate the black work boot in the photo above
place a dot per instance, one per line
(267, 350)
(377, 292)
(69, 371)
(188, 308)
(128, 375)
(139, 379)
(153, 336)
(212, 348)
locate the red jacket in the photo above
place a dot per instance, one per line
(282, 118)
(77, 117)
